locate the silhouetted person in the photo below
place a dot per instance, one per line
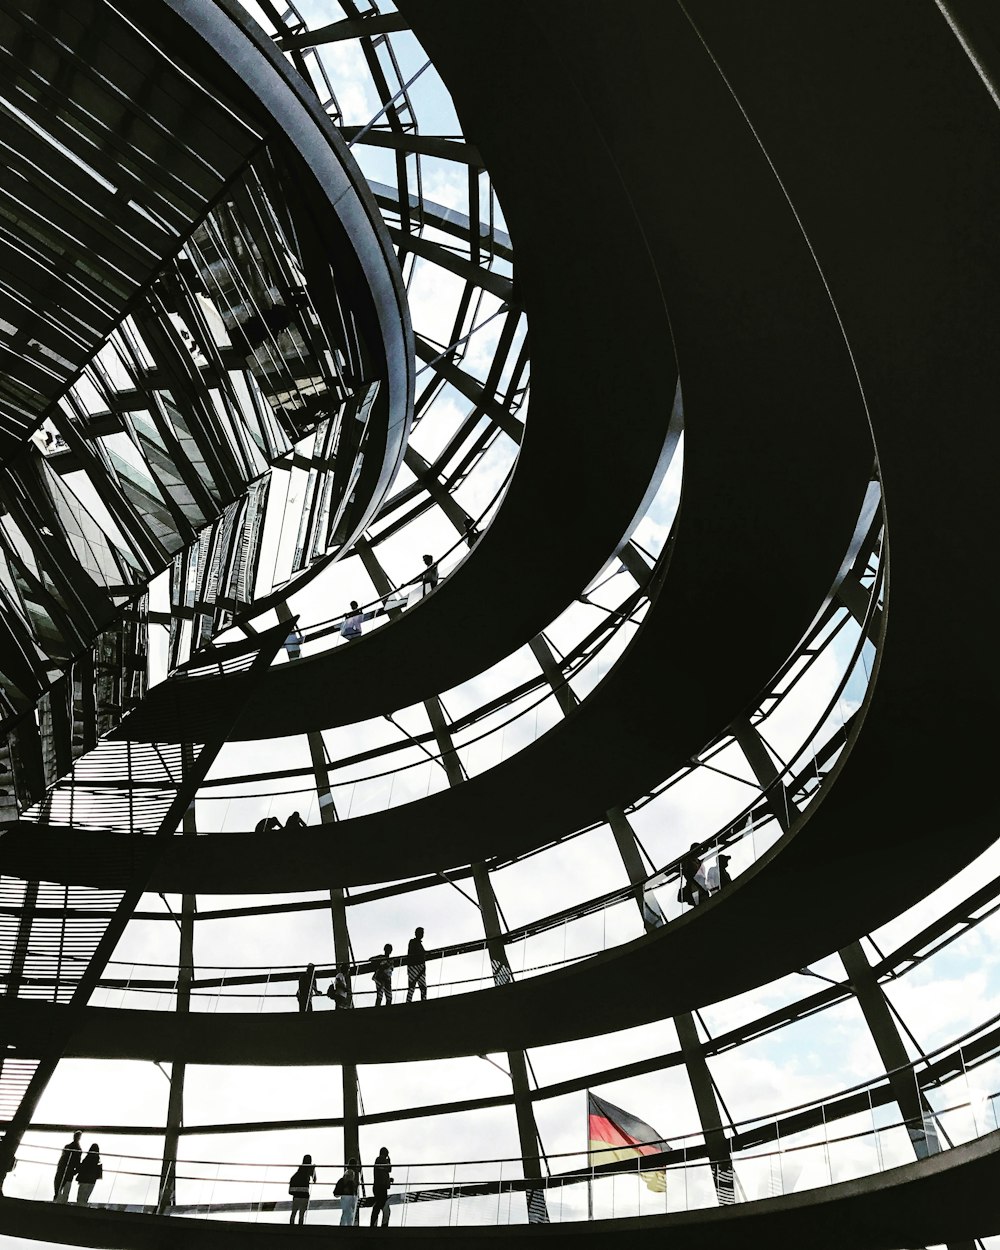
(298, 1187)
(267, 824)
(295, 821)
(351, 627)
(429, 577)
(471, 533)
(690, 867)
(293, 644)
(307, 988)
(382, 966)
(724, 877)
(416, 966)
(88, 1174)
(346, 1190)
(66, 1168)
(380, 1187)
(339, 990)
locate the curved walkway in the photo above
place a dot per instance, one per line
(900, 795)
(948, 1197)
(757, 528)
(603, 241)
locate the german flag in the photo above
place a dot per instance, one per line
(615, 1135)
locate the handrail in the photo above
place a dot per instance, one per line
(650, 1162)
(599, 637)
(289, 972)
(885, 1079)
(637, 891)
(306, 773)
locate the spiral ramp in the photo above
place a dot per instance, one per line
(755, 251)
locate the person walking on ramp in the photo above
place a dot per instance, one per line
(416, 966)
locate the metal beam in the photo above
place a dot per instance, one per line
(527, 1129)
(763, 767)
(913, 1106)
(348, 28)
(175, 1103)
(417, 144)
(869, 993)
(703, 1088)
(702, 1084)
(552, 671)
(628, 848)
(467, 385)
(194, 768)
(341, 941)
(429, 250)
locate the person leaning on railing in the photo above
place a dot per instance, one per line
(339, 989)
(298, 1188)
(346, 1189)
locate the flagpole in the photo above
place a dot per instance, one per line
(590, 1165)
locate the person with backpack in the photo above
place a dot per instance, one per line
(382, 974)
(298, 1187)
(693, 890)
(380, 1187)
(339, 990)
(346, 1189)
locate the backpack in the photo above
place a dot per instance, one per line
(339, 1189)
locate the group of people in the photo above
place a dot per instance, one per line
(74, 1165)
(698, 881)
(269, 823)
(429, 578)
(355, 617)
(339, 990)
(346, 1189)
(86, 1170)
(350, 627)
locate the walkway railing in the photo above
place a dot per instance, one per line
(853, 1134)
(557, 941)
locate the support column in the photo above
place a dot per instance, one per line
(566, 697)
(913, 1106)
(209, 733)
(23, 940)
(341, 939)
(446, 748)
(175, 1103)
(628, 849)
(702, 1085)
(527, 1130)
(763, 767)
(705, 1100)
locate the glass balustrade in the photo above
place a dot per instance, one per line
(855, 1134)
